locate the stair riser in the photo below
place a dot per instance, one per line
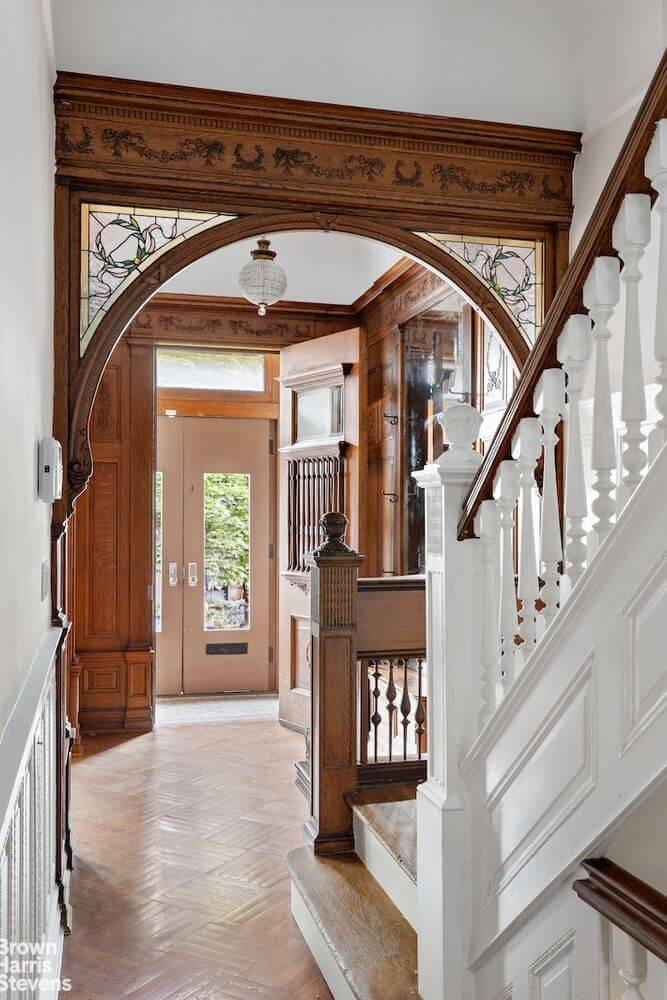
(319, 948)
(386, 870)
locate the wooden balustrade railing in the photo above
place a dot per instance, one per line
(636, 909)
(553, 533)
(361, 734)
(630, 175)
(392, 705)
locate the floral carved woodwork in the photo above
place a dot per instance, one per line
(227, 139)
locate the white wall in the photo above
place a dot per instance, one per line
(506, 62)
(26, 331)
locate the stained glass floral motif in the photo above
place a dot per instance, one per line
(118, 243)
(511, 269)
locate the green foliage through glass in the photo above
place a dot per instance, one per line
(226, 550)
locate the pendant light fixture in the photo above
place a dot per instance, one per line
(263, 281)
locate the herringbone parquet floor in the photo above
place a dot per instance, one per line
(180, 890)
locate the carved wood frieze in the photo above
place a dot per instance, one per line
(174, 318)
(318, 152)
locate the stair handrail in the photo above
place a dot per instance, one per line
(626, 175)
(637, 909)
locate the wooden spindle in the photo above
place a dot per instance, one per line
(301, 508)
(655, 166)
(526, 449)
(376, 718)
(364, 709)
(601, 293)
(549, 402)
(405, 707)
(506, 492)
(420, 711)
(574, 351)
(487, 530)
(631, 234)
(391, 707)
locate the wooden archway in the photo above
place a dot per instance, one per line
(121, 313)
(278, 165)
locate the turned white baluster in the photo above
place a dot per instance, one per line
(574, 351)
(526, 449)
(630, 959)
(549, 403)
(506, 491)
(655, 166)
(601, 293)
(631, 234)
(487, 529)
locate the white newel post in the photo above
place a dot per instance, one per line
(574, 351)
(453, 655)
(506, 492)
(549, 403)
(631, 234)
(655, 167)
(601, 293)
(526, 449)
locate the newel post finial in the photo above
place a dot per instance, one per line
(460, 424)
(334, 567)
(333, 525)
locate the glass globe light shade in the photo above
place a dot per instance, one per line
(263, 281)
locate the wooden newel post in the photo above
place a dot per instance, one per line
(333, 612)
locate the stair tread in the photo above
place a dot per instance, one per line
(373, 945)
(391, 813)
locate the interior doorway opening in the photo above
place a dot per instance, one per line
(346, 383)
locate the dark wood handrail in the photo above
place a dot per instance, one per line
(387, 584)
(632, 905)
(627, 175)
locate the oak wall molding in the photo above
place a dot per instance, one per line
(170, 318)
(307, 151)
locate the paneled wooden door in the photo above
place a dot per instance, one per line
(215, 624)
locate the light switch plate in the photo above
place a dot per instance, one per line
(46, 578)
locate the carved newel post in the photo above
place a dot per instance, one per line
(333, 604)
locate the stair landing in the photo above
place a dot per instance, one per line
(365, 948)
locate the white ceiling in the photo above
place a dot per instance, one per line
(566, 63)
(320, 267)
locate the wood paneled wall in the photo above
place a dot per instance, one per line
(114, 627)
(406, 290)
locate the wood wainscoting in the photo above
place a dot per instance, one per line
(114, 551)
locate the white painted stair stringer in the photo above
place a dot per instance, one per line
(578, 743)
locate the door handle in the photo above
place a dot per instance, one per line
(173, 574)
(192, 574)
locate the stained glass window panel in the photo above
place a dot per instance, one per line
(118, 242)
(512, 270)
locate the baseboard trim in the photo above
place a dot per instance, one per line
(292, 725)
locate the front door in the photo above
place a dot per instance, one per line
(214, 586)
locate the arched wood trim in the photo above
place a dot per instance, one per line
(121, 313)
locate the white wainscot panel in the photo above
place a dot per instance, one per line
(643, 664)
(553, 975)
(553, 774)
